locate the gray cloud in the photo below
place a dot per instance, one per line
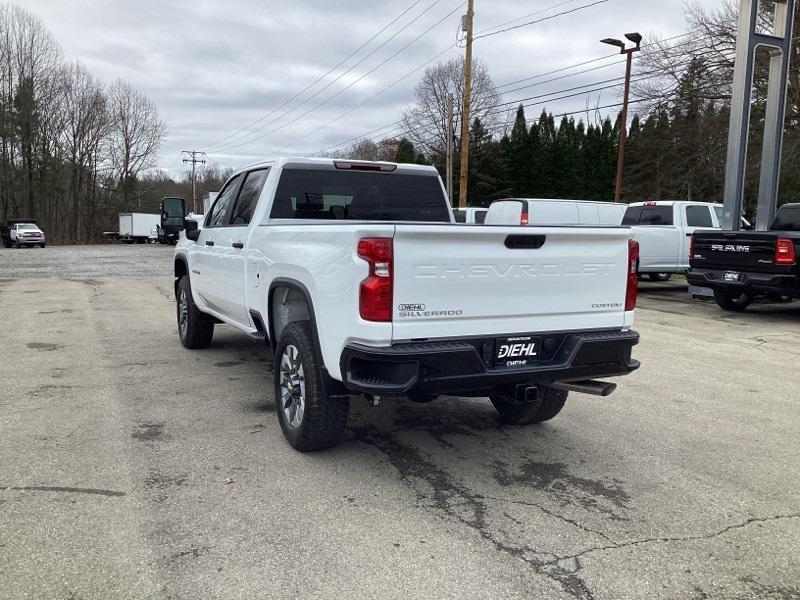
(213, 67)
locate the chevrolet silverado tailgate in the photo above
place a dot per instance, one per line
(456, 281)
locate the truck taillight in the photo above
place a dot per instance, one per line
(632, 290)
(523, 217)
(375, 296)
(784, 252)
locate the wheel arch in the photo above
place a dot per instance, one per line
(282, 291)
(180, 268)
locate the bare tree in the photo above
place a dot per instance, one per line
(426, 120)
(85, 128)
(137, 132)
(364, 149)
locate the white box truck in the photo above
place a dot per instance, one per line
(139, 227)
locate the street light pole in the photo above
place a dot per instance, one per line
(623, 124)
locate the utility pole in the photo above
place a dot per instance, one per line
(623, 121)
(464, 171)
(196, 158)
(450, 143)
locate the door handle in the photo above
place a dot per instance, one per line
(209, 242)
(239, 245)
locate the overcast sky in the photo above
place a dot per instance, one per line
(215, 67)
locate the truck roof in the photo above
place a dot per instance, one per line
(672, 203)
(331, 163)
(609, 202)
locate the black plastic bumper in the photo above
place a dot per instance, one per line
(467, 368)
(786, 285)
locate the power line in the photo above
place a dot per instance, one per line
(321, 78)
(408, 75)
(244, 141)
(533, 14)
(370, 99)
(566, 12)
(591, 61)
(320, 104)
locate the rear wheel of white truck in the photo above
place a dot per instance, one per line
(659, 276)
(732, 299)
(523, 413)
(310, 419)
(194, 328)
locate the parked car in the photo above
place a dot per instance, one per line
(471, 215)
(356, 275)
(743, 265)
(662, 229)
(538, 211)
(22, 232)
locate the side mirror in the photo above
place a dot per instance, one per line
(173, 213)
(192, 230)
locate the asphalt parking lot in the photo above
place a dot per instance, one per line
(132, 468)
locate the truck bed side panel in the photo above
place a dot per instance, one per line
(322, 259)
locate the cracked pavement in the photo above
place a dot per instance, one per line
(132, 468)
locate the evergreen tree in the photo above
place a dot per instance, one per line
(405, 152)
(487, 178)
(517, 156)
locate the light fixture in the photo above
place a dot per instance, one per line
(635, 37)
(614, 42)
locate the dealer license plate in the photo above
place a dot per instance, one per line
(516, 351)
(731, 276)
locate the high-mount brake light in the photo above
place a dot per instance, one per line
(347, 165)
(632, 289)
(523, 217)
(784, 252)
(376, 292)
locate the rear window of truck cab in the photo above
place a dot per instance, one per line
(648, 215)
(787, 219)
(359, 196)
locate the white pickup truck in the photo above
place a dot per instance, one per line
(21, 232)
(358, 277)
(663, 229)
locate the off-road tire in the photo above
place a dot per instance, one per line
(728, 299)
(524, 413)
(324, 417)
(199, 329)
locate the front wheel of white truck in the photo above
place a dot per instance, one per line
(524, 413)
(194, 328)
(310, 419)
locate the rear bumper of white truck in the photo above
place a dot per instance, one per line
(470, 367)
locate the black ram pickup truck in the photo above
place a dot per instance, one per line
(743, 265)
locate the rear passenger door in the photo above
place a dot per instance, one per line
(230, 251)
